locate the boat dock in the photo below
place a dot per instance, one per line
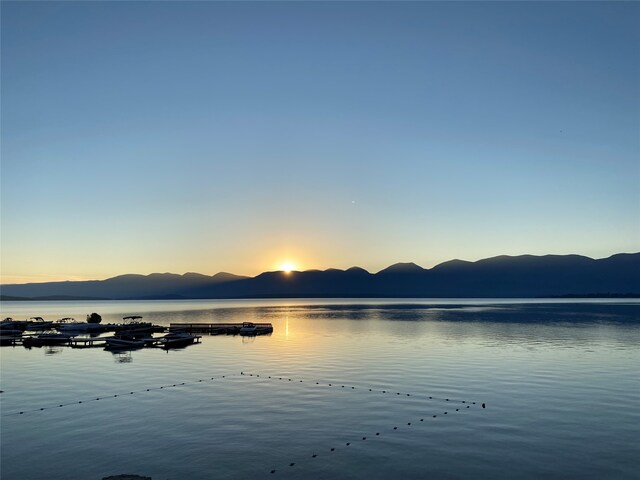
(76, 342)
(219, 328)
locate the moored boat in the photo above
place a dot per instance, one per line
(11, 324)
(132, 324)
(46, 339)
(177, 340)
(38, 323)
(129, 342)
(248, 328)
(68, 324)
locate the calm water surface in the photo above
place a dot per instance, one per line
(560, 382)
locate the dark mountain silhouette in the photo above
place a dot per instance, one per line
(131, 286)
(503, 276)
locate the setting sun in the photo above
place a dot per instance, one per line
(287, 267)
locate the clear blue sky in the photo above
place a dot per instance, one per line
(202, 136)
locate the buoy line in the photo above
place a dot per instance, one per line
(118, 395)
(365, 389)
(195, 382)
(326, 452)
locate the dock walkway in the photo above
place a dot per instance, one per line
(219, 328)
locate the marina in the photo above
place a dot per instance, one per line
(131, 334)
(245, 328)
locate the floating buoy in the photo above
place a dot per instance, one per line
(291, 464)
(273, 471)
(314, 455)
(483, 405)
(332, 449)
(377, 433)
(348, 443)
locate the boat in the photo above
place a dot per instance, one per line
(46, 339)
(69, 324)
(177, 340)
(11, 324)
(38, 323)
(248, 328)
(132, 324)
(124, 341)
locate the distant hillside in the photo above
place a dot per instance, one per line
(503, 276)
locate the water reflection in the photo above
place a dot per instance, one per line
(53, 350)
(121, 356)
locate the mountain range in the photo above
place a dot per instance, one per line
(502, 276)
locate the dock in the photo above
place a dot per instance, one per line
(87, 342)
(219, 328)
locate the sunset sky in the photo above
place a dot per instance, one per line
(241, 137)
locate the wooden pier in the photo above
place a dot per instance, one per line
(219, 328)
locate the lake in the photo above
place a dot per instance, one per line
(348, 389)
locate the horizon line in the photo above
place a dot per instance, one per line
(318, 269)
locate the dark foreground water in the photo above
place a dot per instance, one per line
(560, 381)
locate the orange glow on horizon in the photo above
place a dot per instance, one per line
(287, 267)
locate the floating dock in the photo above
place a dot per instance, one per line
(87, 342)
(219, 328)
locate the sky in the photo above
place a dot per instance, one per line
(213, 136)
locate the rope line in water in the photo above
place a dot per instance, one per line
(117, 395)
(366, 389)
(329, 451)
(195, 382)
